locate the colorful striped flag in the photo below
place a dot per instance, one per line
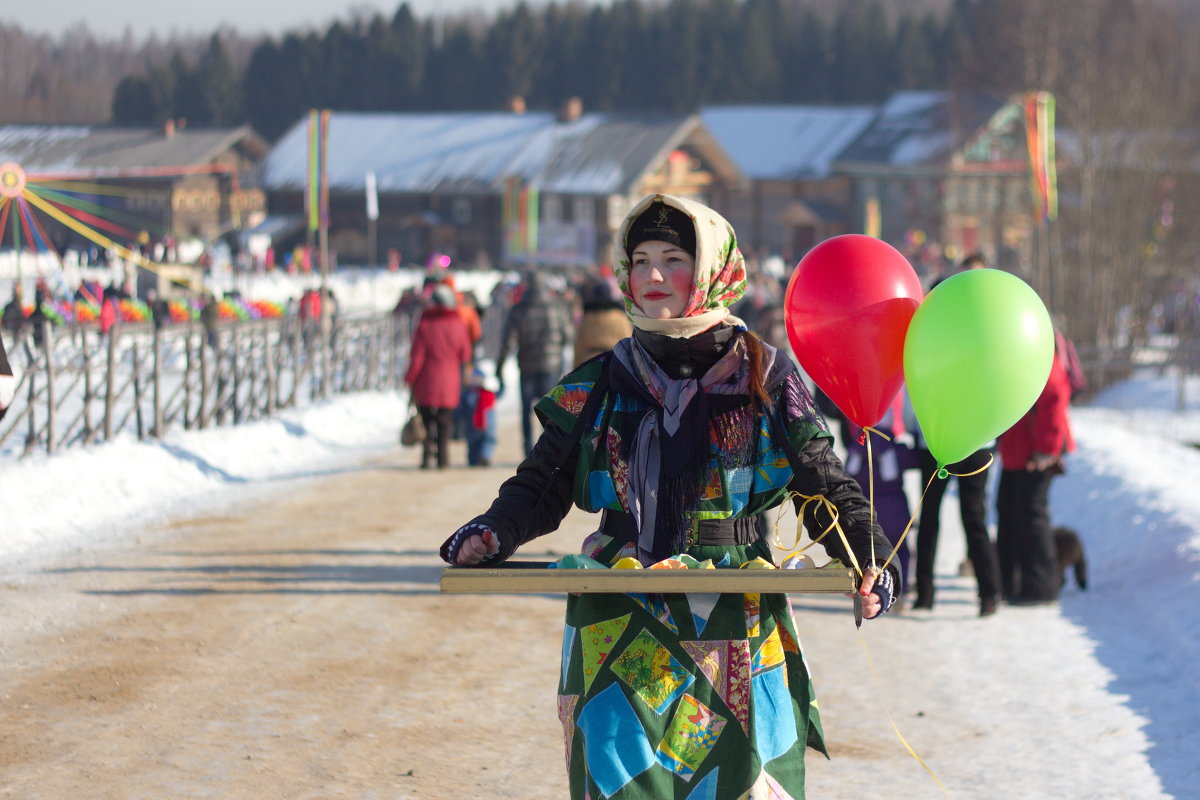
(1039, 138)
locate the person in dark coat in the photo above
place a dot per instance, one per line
(14, 314)
(538, 329)
(8, 382)
(437, 364)
(1031, 455)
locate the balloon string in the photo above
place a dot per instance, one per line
(921, 501)
(822, 502)
(875, 679)
(871, 491)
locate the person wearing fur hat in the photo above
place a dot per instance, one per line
(680, 436)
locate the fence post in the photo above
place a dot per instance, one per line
(89, 391)
(51, 404)
(201, 416)
(110, 380)
(31, 438)
(235, 371)
(189, 366)
(157, 377)
(137, 391)
(269, 353)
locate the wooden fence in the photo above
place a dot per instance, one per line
(78, 386)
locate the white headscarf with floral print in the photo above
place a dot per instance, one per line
(720, 279)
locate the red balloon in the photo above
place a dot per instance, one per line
(847, 309)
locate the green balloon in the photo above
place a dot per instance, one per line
(976, 357)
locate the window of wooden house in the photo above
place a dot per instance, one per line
(585, 210)
(461, 211)
(551, 209)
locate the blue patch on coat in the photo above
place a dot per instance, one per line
(615, 743)
(601, 491)
(774, 720)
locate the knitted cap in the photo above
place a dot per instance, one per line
(662, 223)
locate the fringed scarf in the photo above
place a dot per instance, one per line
(670, 452)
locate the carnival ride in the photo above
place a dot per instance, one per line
(97, 205)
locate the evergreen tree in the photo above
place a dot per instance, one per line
(514, 47)
(219, 85)
(187, 96)
(272, 103)
(807, 64)
(559, 77)
(409, 64)
(453, 82)
(133, 102)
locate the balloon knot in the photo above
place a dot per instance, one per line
(862, 436)
(943, 473)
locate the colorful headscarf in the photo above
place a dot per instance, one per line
(720, 279)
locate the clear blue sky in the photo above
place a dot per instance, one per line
(110, 18)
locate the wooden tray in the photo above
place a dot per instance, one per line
(527, 578)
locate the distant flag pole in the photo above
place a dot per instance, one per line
(323, 157)
(372, 213)
(311, 202)
(372, 196)
(531, 223)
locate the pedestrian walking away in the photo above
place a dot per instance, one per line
(437, 365)
(538, 329)
(680, 436)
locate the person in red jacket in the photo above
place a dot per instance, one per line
(1031, 455)
(437, 364)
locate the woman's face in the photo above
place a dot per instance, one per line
(660, 279)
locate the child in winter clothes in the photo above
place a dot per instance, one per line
(481, 391)
(890, 458)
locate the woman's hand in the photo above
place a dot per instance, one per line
(477, 547)
(872, 603)
(470, 545)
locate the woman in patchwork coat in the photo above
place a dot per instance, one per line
(681, 435)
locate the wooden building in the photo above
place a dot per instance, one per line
(506, 189)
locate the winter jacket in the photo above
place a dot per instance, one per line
(538, 328)
(8, 383)
(1044, 428)
(600, 329)
(441, 347)
(534, 501)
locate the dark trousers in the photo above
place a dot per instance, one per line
(1028, 569)
(534, 386)
(439, 425)
(972, 495)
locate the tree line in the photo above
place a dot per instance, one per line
(673, 55)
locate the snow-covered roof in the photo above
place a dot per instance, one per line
(99, 151)
(469, 152)
(785, 142)
(915, 129)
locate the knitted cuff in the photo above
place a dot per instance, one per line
(885, 588)
(451, 546)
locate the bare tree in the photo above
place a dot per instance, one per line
(1125, 85)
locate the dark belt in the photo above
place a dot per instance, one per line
(741, 530)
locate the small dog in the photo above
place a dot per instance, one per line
(1069, 548)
